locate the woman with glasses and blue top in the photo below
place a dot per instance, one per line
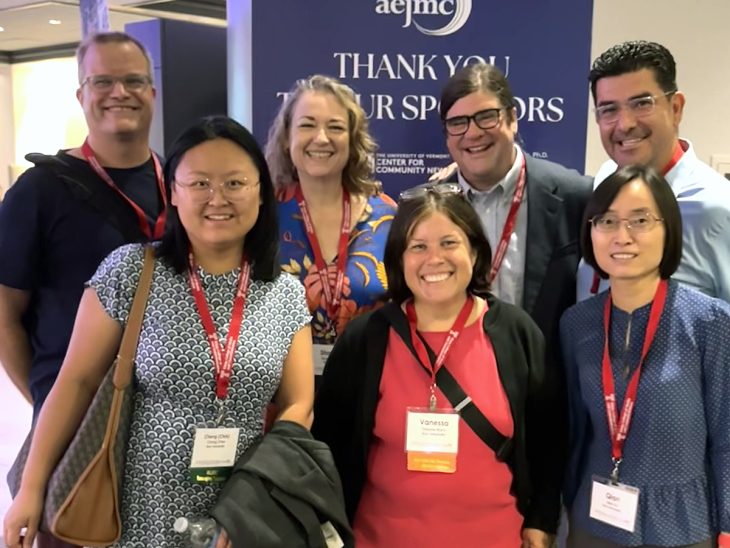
(333, 216)
(648, 382)
(224, 332)
(437, 406)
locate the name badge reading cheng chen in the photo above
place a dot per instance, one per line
(214, 454)
(615, 504)
(432, 440)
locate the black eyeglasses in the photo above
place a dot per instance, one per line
(444, 189)
(484, 119)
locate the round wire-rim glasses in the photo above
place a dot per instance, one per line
(201, 190)
(638, 222)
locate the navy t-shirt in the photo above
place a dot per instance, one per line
(51, 243)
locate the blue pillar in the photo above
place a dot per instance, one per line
(94, 16)
(240, 61)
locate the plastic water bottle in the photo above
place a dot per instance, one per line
(202, 532)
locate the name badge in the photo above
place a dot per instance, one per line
(214, 454)
(321, 353)
(432, 440)
(614, 503)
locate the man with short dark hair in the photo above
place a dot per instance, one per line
(64, 215)
(533, 205)
(638, 108)
(531, 211)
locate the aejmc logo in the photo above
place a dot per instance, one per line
(459, 10)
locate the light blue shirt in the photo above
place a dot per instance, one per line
(703, 196)
(493, 206)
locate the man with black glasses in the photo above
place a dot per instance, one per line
(530, 208)
(638, 108)
(63, 216)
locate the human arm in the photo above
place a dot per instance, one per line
(295, 396)
(15, 353)
(716, 384)
(94, 343)
(534, 538)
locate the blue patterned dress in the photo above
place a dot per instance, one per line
(678, 447)
(174, 371)
(365, 279)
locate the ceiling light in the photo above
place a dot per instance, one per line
(1, 29)
(54, 21)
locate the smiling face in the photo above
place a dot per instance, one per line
(319, 138)
(647, 140)
(116, 112)
(627, 255)
(219, 223)
(484, 156)
(438, 261)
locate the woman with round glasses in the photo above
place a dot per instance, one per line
(439, 411)
(333, 217)
(223, 333)
(648, 381)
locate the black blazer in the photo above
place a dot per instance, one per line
(556, 199)
(344, 409)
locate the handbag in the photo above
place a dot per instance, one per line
(83, 493)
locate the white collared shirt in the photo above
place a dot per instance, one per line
(493, 207)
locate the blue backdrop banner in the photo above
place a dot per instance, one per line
(398, 54)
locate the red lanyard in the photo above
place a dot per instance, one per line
(420, 349)
(222, 357)
(676, 157)
(618, 426)
(509, 224)
(332, 295)
(144, 225)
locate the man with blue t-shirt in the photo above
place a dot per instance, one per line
(63, 216)
(638, 110)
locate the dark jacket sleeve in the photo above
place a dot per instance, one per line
(545, 435)
(338, 409)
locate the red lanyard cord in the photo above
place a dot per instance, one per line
(332, 292)
(158, 230)
(419, 347)
(222, 356)
(509, 224)
(618, 425)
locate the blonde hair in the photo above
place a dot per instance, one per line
(357, 176)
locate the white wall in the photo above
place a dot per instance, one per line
(46, 112)
(7, 129)
(698, 35)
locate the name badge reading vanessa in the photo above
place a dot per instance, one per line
(432, 439)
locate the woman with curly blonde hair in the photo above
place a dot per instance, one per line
(333, 217)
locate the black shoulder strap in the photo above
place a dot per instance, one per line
(94, 193)
(474, 418)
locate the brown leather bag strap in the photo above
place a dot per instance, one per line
(130, 338)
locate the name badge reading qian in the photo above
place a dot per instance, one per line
(614, 503)
(320, 354)
(214, 454)
(432, 439)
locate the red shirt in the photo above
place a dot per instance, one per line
(469, 508)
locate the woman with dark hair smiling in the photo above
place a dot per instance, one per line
(223, 333)
(456, 378)
(648, 381)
